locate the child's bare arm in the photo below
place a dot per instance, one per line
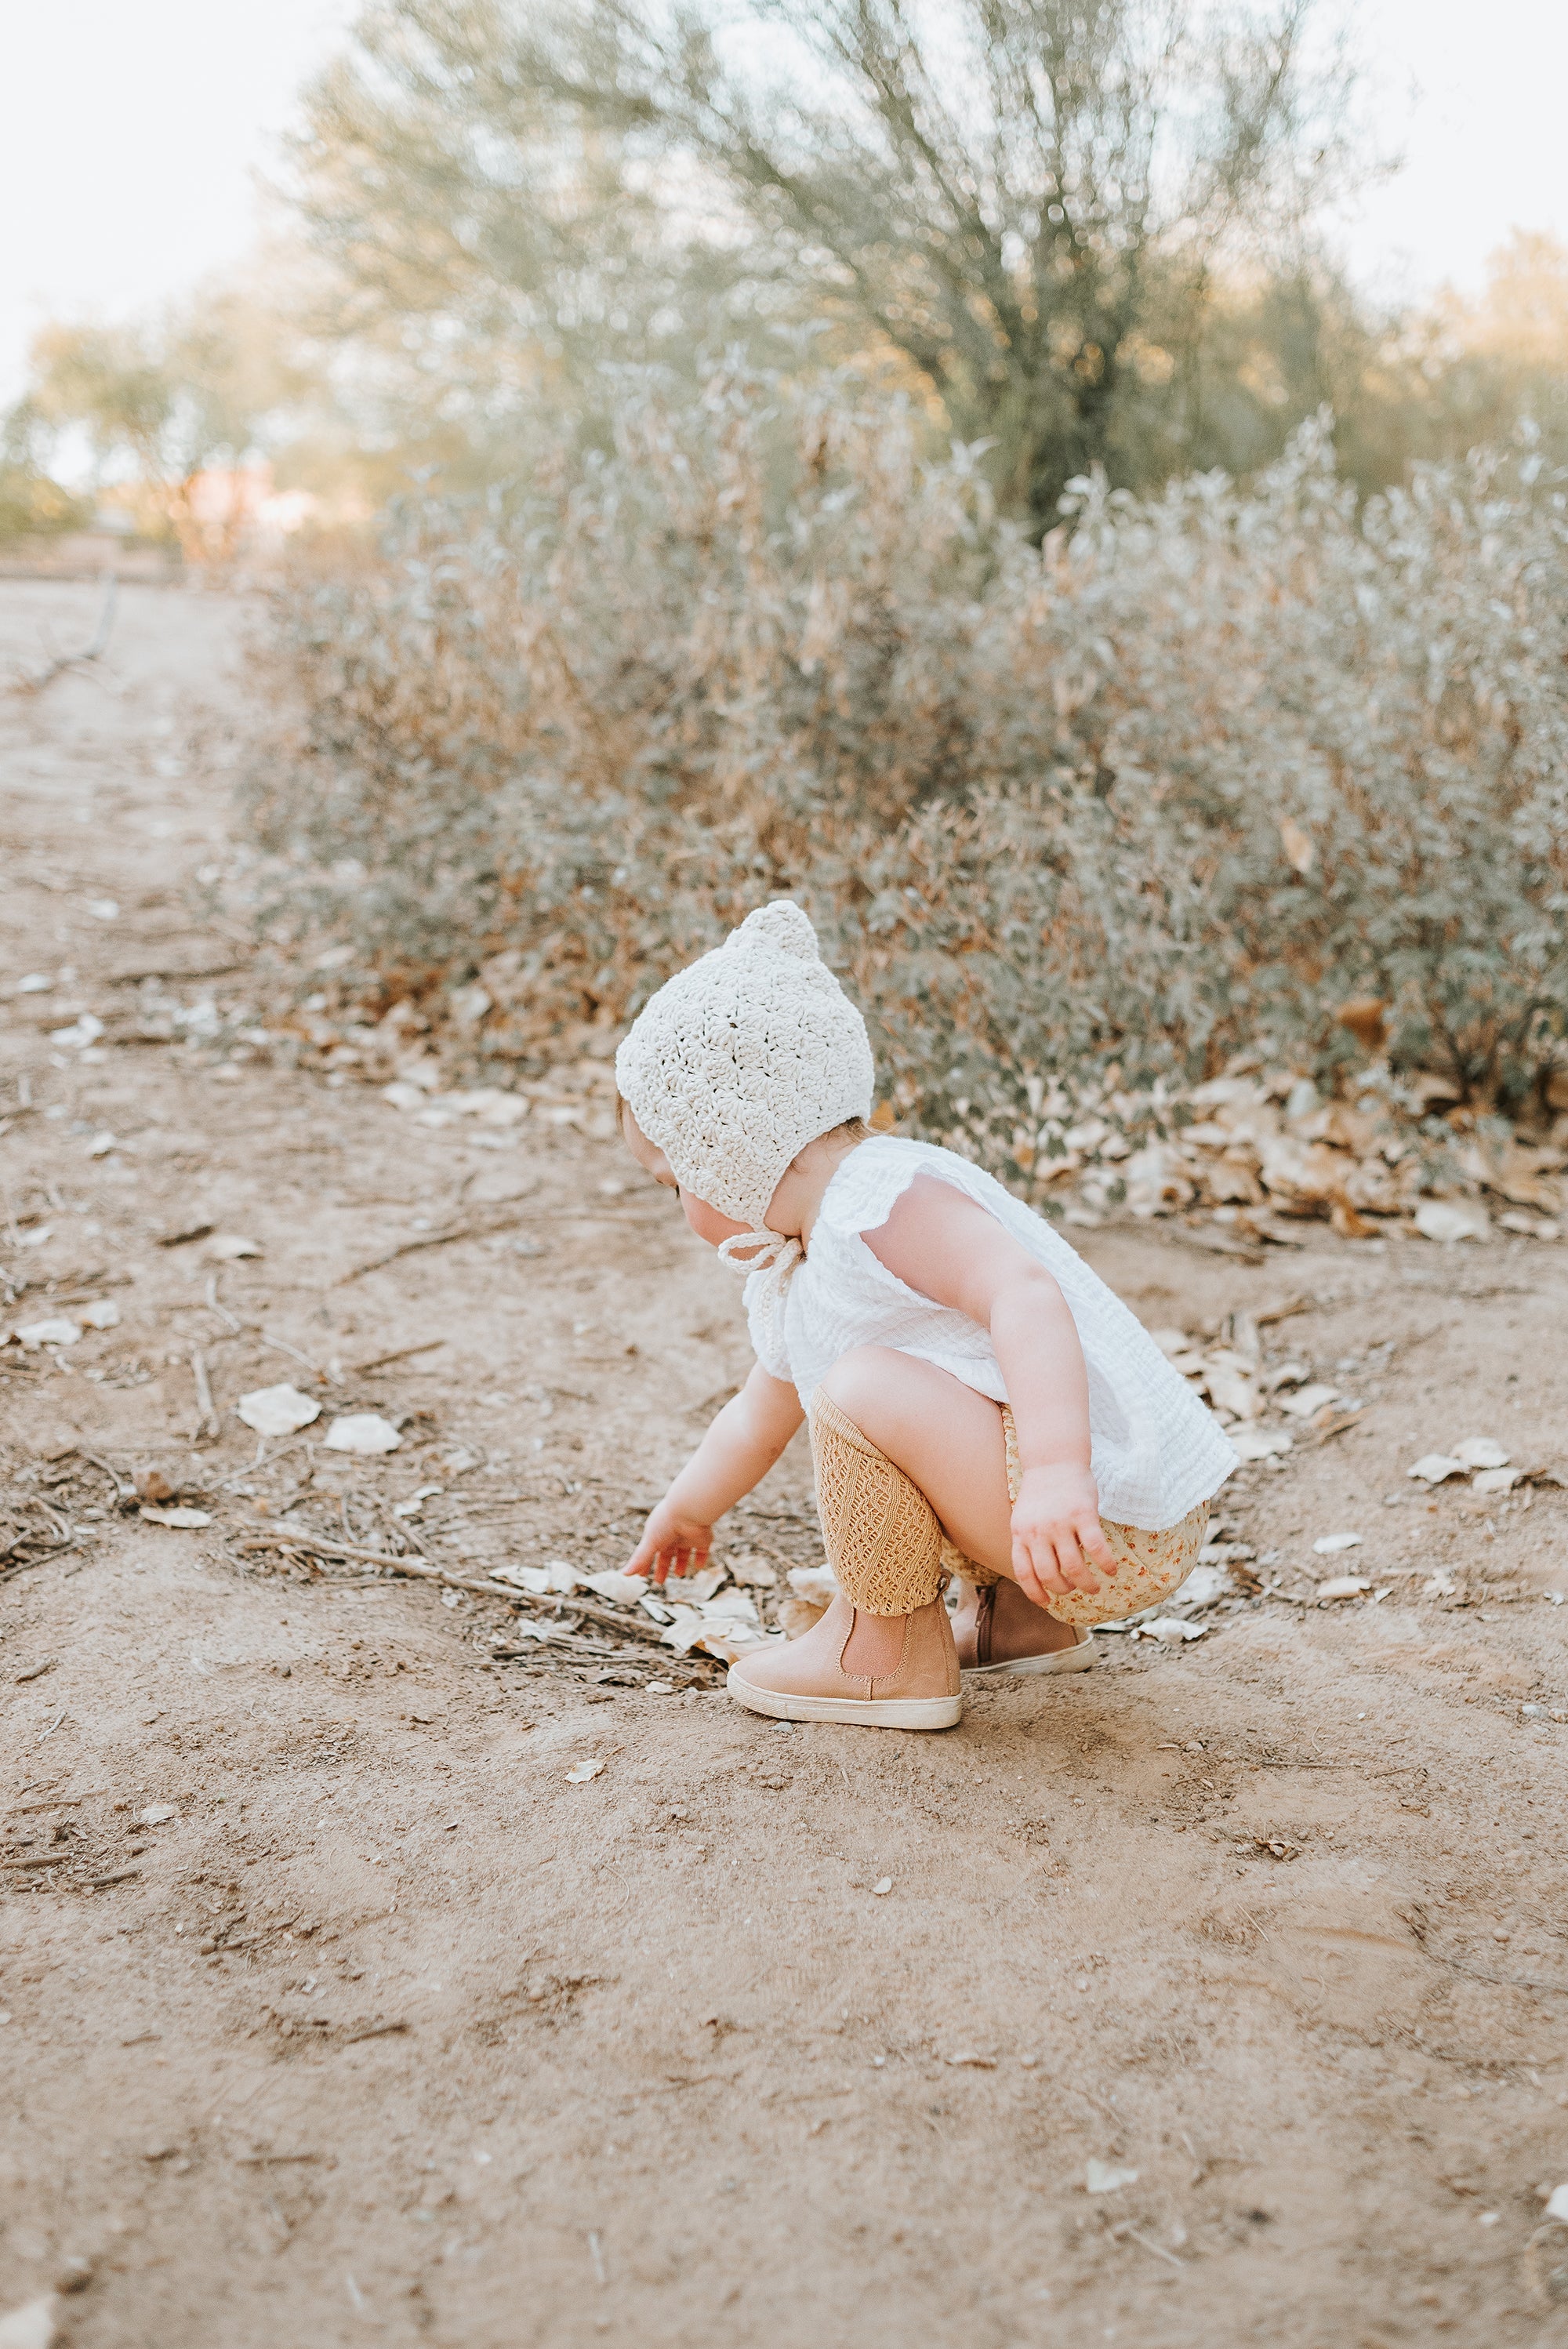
(947, 1248)
(736, 1454)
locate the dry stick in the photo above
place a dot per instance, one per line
(122, 1491)
(210, 1423)
(379, 1361)
(430, 1240)
(1336, 1427)
(307, 1546)
(92, 651)
(278, 1345)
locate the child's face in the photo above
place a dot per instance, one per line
(706, 1221)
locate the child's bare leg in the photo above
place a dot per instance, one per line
(949, 1440)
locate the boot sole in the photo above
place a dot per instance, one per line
(1077, 1659)
(876, 1713)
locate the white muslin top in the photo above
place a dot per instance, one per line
(1155, 1450)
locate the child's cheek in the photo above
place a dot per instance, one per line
(706, 1222)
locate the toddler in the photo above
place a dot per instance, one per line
(980, 1403)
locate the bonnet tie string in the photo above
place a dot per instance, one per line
(776, 1259)
(772, 1253)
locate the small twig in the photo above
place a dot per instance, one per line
(430, 1240)
(379, 1361)
(101, 1884)
(94, 650)
(314, 1545)
(376, 2031)
(1159, 2250)
(215, 1305)
(1336, 1427)
(209, 1424)
(122, 1490)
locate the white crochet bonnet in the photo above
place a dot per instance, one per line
(745, 1056)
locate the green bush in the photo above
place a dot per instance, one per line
(1177, 785)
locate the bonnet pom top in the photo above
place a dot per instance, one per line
(743, 1057)
(780, 924)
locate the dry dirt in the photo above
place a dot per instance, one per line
(393, 2032)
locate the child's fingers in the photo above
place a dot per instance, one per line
(1035, 1571)
(1093, 1542)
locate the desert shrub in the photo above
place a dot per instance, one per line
(1178, 784)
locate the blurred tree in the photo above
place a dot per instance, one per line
(164, 403)
(1026, 205)
(32, 503)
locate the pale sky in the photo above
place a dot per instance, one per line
(135, 130)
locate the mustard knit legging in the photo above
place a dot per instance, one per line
(886, 1546)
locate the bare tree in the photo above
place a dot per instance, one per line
(1021, 203)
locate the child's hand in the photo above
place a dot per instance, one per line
(671, 1544)
(1058, 1540)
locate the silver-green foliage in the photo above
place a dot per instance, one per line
(1178, 783)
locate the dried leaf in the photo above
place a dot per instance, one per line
(1300, 853)
(228, 1248)
(1107, 2177)
(1327, 1544)
(56, 1331)
(31, 2326)
(581, 1772)
(1451, 1220)
(1480, 1452)
(1344, 1585)
(183, 1517)
(1436, 1467)
(363, 1432)
(277, 1411)
(1261, 1443)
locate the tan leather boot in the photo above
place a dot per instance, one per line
(805, 1680)
(998, 1630)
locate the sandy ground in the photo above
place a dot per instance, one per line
(393, 2031)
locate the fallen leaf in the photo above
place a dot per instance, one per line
(362, 1431)
(227, 1248)
(103, 1313)
(277, 1411)
(661, 1688)
(1451, 1220)
(1261, 1442)
(156, 1814)
(625, 1590)
(692, 1589)
(1480, 1452)
(1344, 1585)
(56, 1332)
(1362, 1016)
(817, 1585)
(1327, 1544)
(1300, 853)
(1105, 2177)
(1495, 1480)
(1307, 1401)
(83, 1032)
(31, 2326)
(175, 1517)
(1202, 1587)
(581, 1772)
(1436, 1467)
(35, 983)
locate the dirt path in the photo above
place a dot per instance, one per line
(394, 2030)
